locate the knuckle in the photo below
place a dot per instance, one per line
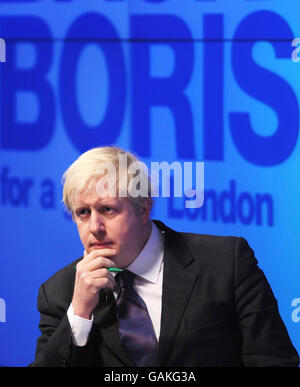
(105, 281)
(100, 260)
(88, 281)
(78, 267)
(105, 271)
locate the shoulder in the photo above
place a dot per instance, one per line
(64, 274)
(210, 243)
(210, 250)
(219, 253)
(224, 251)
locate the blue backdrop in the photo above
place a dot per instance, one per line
(212, 80)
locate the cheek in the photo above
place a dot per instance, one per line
(130, 234)
(119, 235)
(82, 233)
(125, 232)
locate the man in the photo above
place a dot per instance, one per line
(195, 300)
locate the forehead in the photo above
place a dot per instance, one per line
(89, 192)
(90, 197)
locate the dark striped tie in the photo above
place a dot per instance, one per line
(136, 330)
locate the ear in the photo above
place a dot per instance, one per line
(146, 209)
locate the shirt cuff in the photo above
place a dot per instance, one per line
(80, 327)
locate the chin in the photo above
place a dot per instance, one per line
(122, 262)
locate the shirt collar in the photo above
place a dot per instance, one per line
(148, 263)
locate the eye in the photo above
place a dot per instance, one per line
(82, 212)
(107, 209)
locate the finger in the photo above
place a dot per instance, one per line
(104, 273)
(104, 282)
(100, 273)
(100, 253)
(97, 263)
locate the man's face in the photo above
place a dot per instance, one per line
(111, 223)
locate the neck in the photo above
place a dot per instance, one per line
(147, 233)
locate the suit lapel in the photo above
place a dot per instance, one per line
(105, 318)
(178, 282)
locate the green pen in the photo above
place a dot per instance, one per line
(111, 269)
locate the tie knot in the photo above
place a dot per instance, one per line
(125, 279)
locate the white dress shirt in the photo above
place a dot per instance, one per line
(148, 266)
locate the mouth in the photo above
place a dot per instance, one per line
(100, 245)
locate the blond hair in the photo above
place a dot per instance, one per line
(85, 170)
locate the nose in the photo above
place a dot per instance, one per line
(97, 225)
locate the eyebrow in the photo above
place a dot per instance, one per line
(104, 202)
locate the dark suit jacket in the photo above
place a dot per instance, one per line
(217, 310)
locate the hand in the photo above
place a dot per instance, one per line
(92, 275)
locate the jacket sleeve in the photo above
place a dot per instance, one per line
(55, 347)
(265, 340)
